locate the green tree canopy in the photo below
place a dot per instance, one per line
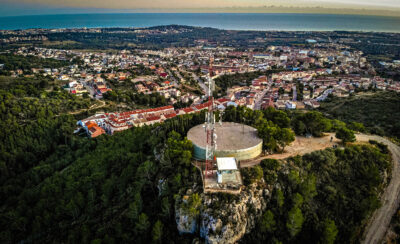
(345, 135)
(295, 221)
(330, 231)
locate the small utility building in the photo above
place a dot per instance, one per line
(227, 170)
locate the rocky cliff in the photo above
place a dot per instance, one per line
(222, 218)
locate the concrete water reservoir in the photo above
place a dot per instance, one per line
(233, 140)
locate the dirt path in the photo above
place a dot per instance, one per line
(93, 106)
(300, 146)
(380, 220)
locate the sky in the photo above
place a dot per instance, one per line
(32, 7)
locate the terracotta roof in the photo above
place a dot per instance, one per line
(158, 109)
(152, 118)
(202, 106)
(169, 116)
(90, 124)
(96, 131)
(223, 100)
(188, 110)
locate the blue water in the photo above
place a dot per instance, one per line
(230, 21)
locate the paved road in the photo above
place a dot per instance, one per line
(201, 83)
(172, 78)
(380, 220)
(257, 103)
(294, 93)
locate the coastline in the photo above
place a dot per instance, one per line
(226, 21)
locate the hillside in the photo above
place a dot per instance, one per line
(311, 194)
(378, 111)
(60, 187)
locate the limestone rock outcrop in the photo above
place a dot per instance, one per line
(225, 218)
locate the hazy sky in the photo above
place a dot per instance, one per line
(21, 7)
(203, 3)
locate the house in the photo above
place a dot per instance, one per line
(166, 84)
(290, 105)
(222, 101)
(315, 104)
(64, 77)
(100, 84)
(188, 110)
(153, 119)
(169, 116)
(93, 129)
(78, 89)
(176, 92)
(72, 84)
(159, 111)
(202, 106)
(280, 104)
(267, 104)
(141, 88)
(300, 105)
(312, 103)
(164, 75)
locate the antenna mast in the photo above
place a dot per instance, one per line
(211, 144)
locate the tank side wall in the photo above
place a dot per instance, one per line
(199, 153)
(244, 154)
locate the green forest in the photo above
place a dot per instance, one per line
(26, 63)
(379, 112)
(133, 98)
(59, 187)
(224, 82)
(323, 197)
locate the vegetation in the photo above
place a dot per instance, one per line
(378, 112)
(33, 122)
(244, 79)
(225, 81)
(251, 174)
(311, 123)
(322, 197)
(59, 187)
(14, 62)
(345, 135)
(394, 227)
(271, 125)
(133, 98)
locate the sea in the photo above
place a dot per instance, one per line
(227, 21)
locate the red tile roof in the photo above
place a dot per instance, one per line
(96, 131)
(223, 100)
(169, 116)
(202, 106)
(152, 118)
(188, 110)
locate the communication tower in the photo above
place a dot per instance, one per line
(211, 144)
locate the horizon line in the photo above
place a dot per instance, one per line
(360, 13)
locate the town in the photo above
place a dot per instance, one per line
(184, 134)
(290, 78)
